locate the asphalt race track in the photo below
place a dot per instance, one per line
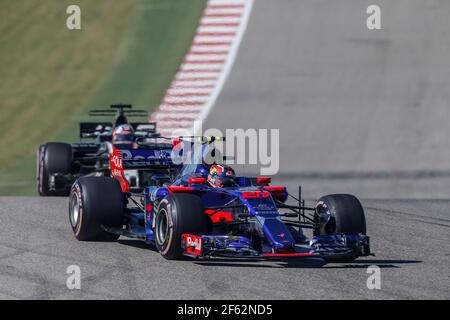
(37, 246)
(359, 111)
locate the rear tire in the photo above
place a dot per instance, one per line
(96, 202)
(177, 214)
(53, 157)
(347, 216)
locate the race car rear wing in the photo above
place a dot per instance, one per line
(96, 129)
(146, 158)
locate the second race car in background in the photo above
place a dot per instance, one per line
(60, 164)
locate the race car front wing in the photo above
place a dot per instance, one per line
(333, 246)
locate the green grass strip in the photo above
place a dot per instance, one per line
(127, 51)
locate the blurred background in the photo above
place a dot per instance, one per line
(126, 51)
(359, 111)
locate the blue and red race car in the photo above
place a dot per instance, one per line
(192, 210)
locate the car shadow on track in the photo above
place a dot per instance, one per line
(260, 263)
(364, 264)
(305, 263)
(135, 244)
(300, 263)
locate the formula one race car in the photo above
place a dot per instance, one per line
(208, 211)
(60, 164)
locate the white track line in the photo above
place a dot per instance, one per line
(206, 66)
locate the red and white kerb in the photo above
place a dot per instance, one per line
(205, 67)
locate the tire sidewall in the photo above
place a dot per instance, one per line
(77, 193)
(100, 201)
(168, 205)
(185, 215)
(42, 183)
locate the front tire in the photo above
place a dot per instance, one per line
(178, 214)
(346, 216)
(96, 202)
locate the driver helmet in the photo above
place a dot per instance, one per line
(221, 176)
(123, 134)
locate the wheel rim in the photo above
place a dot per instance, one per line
(162, 227)
(74, 211)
